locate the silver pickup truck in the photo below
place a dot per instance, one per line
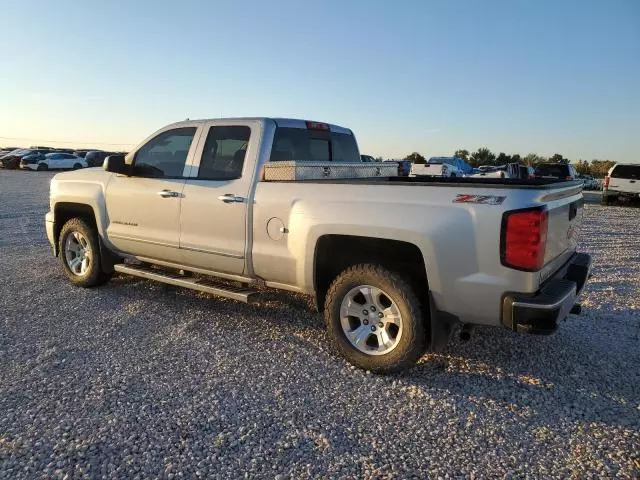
(224, 207)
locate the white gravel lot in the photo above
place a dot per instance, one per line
(139, 380)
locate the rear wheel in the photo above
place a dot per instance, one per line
(42, 167)
(375, 319)
(80, 254)
(76, 166)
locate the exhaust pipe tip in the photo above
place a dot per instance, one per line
(466, 332)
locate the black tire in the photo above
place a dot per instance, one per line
(412, 342)
(604, 200)
(94, 275)
(42, 167)
(76, 166)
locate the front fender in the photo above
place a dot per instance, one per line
(76, 189)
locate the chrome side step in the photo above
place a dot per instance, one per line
(243, 294)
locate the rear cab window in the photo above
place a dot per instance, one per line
(552, 170)
(626, 171)
(314, 145)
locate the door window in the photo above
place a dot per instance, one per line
(224, 152)
(165, 155)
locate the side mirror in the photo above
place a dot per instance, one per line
(115, 164)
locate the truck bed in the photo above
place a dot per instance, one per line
(539, 183)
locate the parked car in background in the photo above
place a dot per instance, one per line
(8, 158)
(404, 167)
(561, 171)
(527, 172)
(5, 150)
(588, 182)
(622, 182)
(80, 153)
(57, 161)
(12, 160)
(32, 158)
(442, 167)
(367, 158)
(512, 170)
(95, 158)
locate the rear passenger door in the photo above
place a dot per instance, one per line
(213, 219)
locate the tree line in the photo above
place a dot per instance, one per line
(484, 156)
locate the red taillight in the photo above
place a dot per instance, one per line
(317, 126)
(524, 237)
(606, 182)
(569, 178)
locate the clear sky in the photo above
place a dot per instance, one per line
(517, 76)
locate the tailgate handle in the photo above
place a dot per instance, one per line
(573, 210)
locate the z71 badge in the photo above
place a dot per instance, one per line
(483, 199)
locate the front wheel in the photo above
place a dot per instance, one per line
(42, 167)
(76, 166)
(80, 254)
(375, 318)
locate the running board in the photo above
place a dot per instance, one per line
(243, 294)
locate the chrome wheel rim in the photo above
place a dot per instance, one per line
(77, 253)
(371, 320)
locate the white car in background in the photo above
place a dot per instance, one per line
(56, 161)
(622, 182)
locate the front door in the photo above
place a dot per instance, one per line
(143, 209)
(214, 206)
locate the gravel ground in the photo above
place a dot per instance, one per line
(140, 380)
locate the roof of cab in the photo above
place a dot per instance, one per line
(280, 122)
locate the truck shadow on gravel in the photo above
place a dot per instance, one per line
(536, 374)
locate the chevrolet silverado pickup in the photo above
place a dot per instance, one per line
(233, 207)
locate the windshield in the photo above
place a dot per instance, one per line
(626, 171)
(313, 145)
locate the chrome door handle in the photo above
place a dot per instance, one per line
(230, 198)
(168, 194)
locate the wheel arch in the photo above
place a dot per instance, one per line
(65, 211)
(334, 253)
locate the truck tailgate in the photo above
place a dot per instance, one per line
(624, 185)
(434, 169)
(564, 222)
